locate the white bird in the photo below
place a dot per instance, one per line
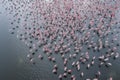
(82, 74)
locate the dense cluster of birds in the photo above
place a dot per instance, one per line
(80, 32)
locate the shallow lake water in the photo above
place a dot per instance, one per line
(15, 66)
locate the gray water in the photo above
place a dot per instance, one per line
(15, 66)
(13, 62)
